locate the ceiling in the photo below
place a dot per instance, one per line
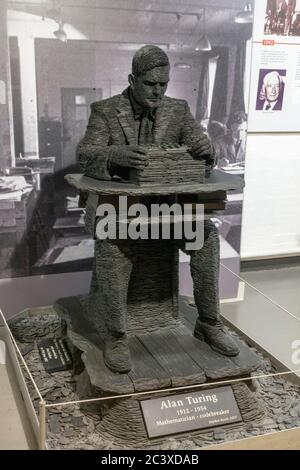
(155, 17)
(136, 3)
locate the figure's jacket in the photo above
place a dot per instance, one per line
(112, 123)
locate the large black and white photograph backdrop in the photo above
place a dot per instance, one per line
(58, 57)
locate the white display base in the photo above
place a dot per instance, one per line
(24, 434)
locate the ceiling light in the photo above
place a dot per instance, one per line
(182, 65)
(204, 43)
(246, 16)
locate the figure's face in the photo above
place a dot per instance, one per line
(149, 89)
(272, 87)
(239, 130)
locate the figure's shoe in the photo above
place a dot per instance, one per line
(217, 337)
(116, 354)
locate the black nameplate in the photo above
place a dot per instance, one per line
(190, 411)
(54, 354)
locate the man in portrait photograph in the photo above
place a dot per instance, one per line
(270, 90)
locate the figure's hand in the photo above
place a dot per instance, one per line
(131, 156)
(202, 149)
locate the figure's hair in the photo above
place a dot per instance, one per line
(272, 74)
(262, 93)
(216, 129)
(147, 58)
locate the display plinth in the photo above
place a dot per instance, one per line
(118, 423)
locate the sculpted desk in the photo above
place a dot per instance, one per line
(163, 350)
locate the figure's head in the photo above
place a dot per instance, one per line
(272, 86)
(238, 125)
(150, 76)
(216, 129)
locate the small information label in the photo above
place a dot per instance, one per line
(190, 411)
(54, 354)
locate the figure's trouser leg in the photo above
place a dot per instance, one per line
(205, 264)
(205, 273)
(113, 266)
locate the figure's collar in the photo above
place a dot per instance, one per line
(125, 115)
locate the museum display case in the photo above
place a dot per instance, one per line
(193, 398)
(127, 328)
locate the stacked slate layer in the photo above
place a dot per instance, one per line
(169, 165)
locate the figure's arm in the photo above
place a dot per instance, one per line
(93, 151)
(98, 158)
(193, 136)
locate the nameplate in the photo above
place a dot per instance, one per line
(190, 411)
(54, 354)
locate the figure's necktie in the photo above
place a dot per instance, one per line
(268, 106)
(145, 133)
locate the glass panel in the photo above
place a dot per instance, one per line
(266, 392)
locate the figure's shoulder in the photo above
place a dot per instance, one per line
(106, 105)
(175, 102)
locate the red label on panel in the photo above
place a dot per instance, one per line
(268, 42)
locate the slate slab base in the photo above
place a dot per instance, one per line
(122, 421)
(166, 358)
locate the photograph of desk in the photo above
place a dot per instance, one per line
(16, 210)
